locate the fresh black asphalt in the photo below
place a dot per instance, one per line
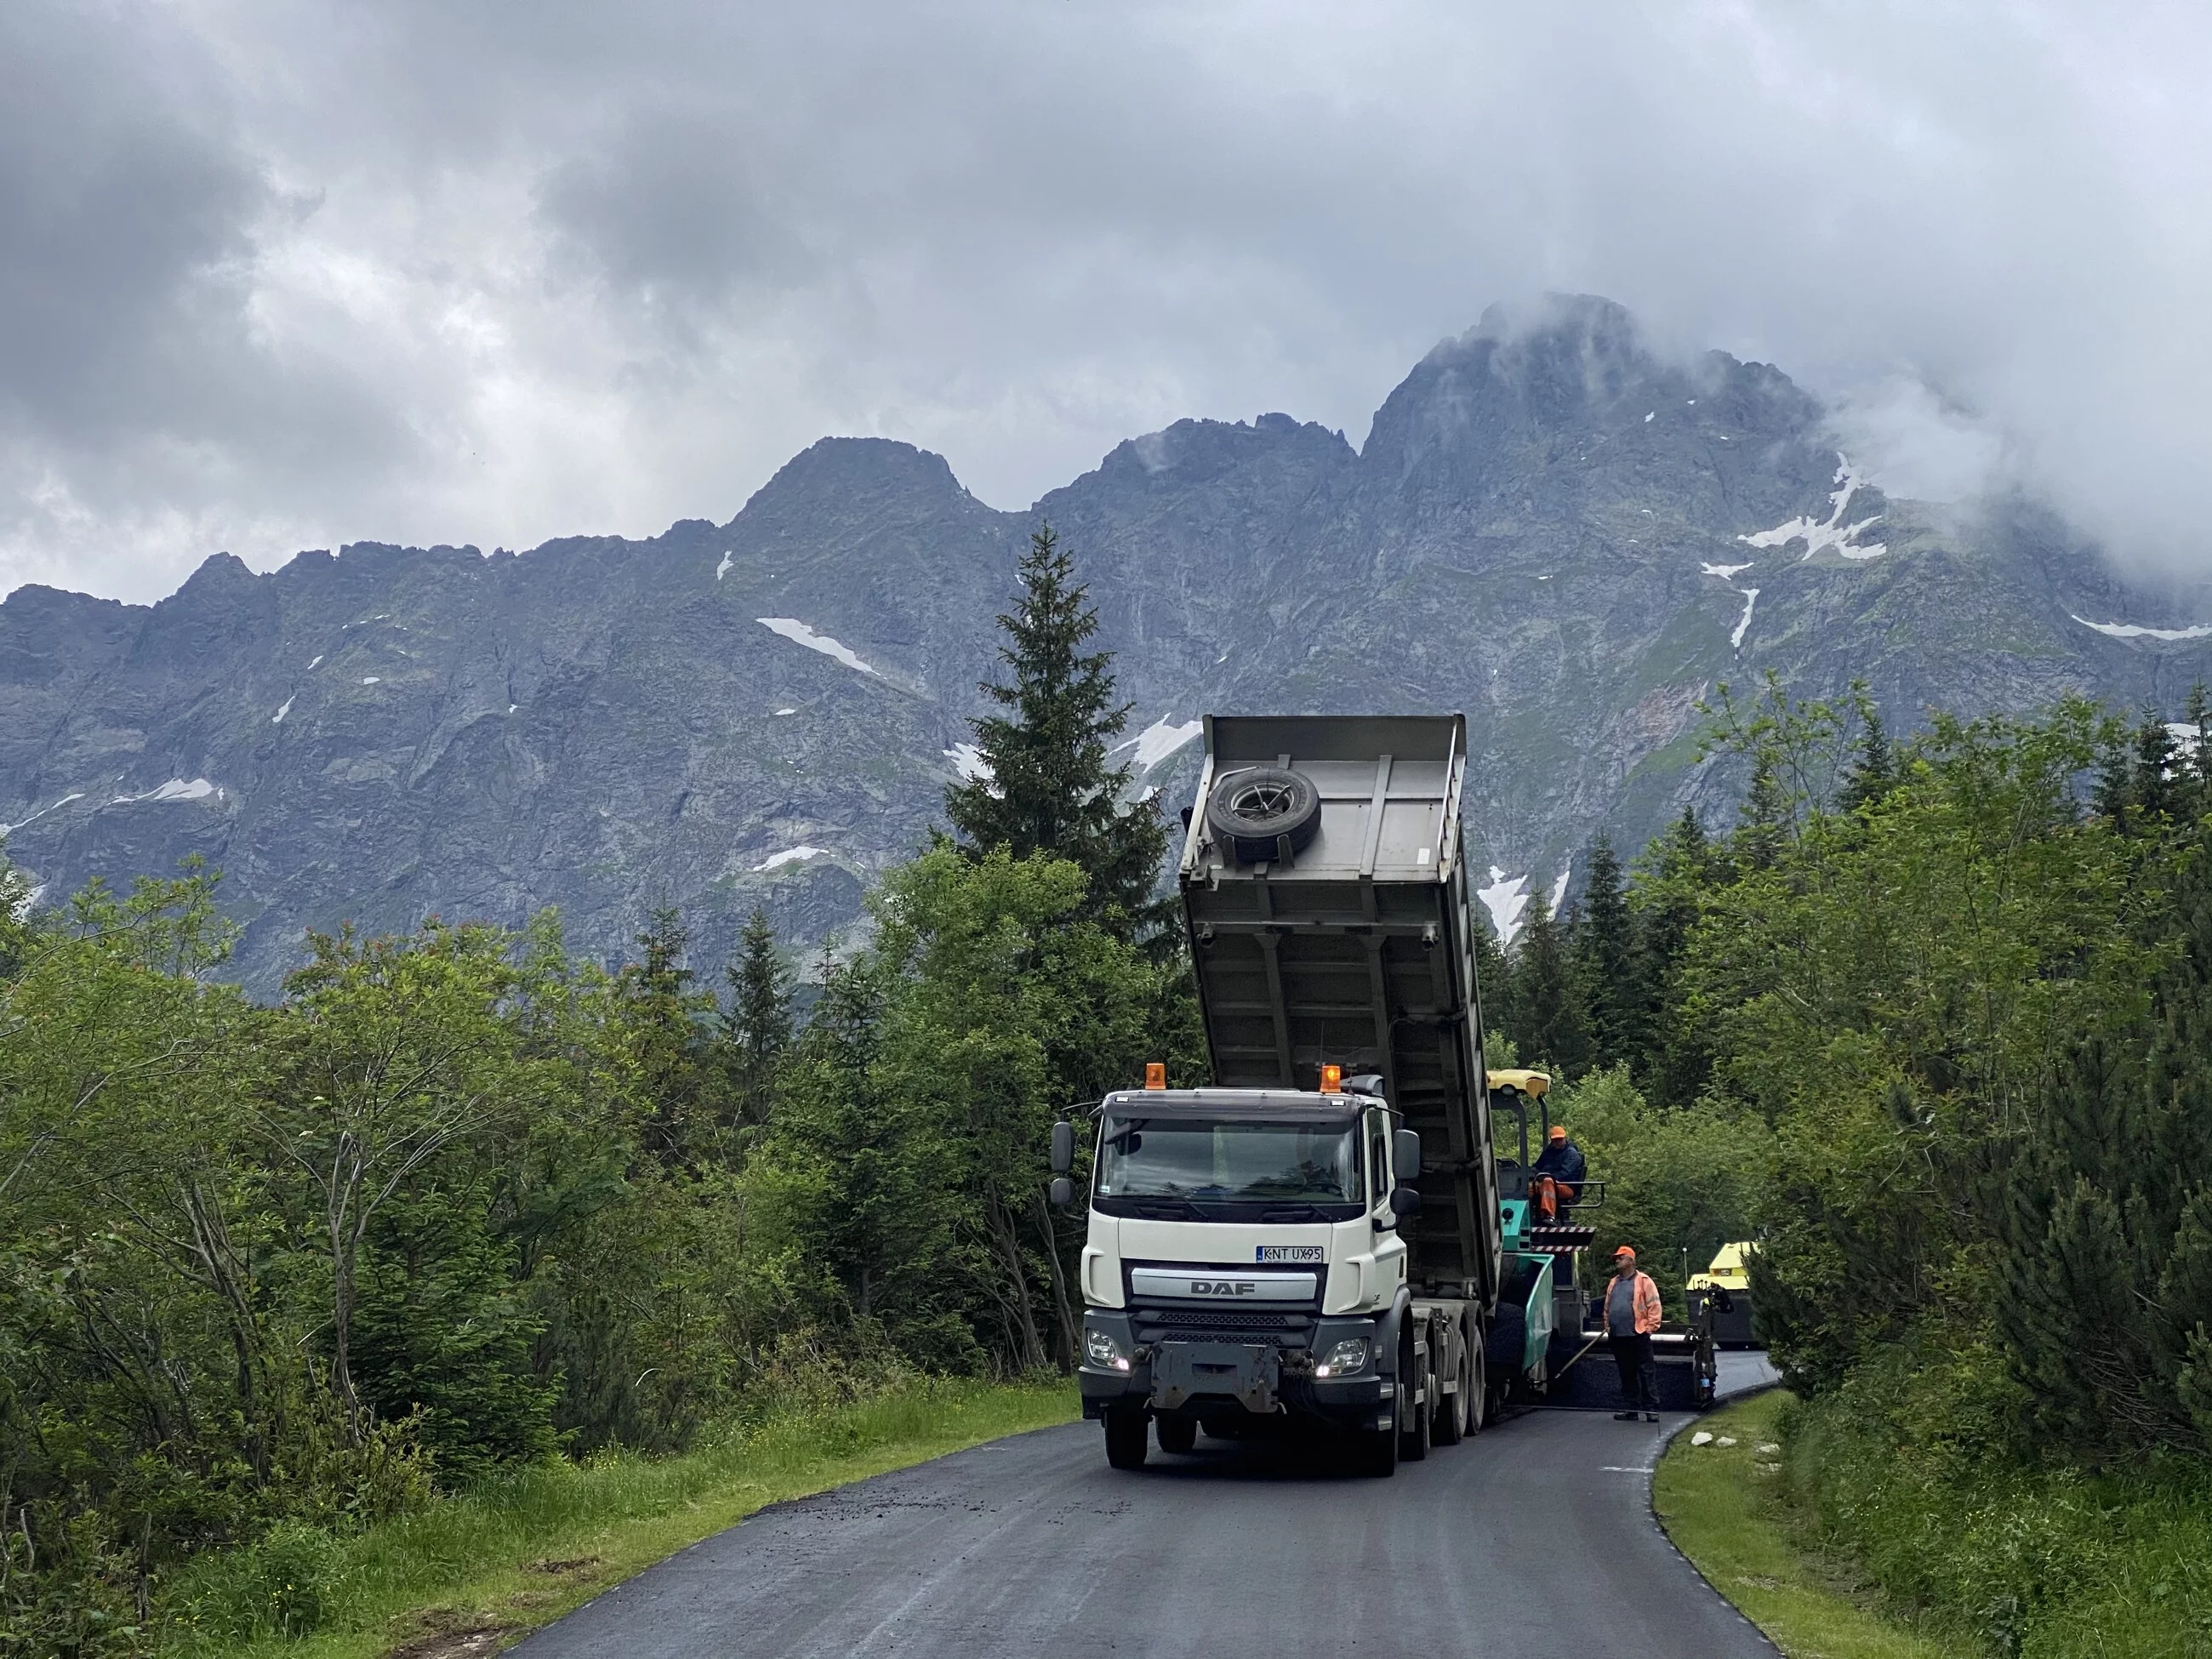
(1533, 1537)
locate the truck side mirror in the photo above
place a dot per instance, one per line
(1063, 1149)
(1063, 1192)
(1406, 1153)
(1405, 1201)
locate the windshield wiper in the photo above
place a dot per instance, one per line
(1286, 1213)
(1164, 1209)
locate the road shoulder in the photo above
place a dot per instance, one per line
(474, 1573)
(1728, 1510)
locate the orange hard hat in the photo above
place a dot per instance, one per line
(1558, 1132)
(1624, 1251)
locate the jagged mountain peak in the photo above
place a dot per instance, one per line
(860, 470)
(1554, 526)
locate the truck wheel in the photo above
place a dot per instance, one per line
(1254, 810)
(1414, 1415)
(1125, 1437)
(1178, 1434)
(1478, 1393)
(1452, 1411)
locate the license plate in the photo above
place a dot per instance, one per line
(1287, 1253)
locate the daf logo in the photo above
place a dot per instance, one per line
(1223, 1287)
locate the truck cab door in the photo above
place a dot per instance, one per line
(1381, 1180)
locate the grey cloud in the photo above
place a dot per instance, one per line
(584, 267)
(671, 203)
(126, 221)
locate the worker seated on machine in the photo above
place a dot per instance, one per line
(1558, 1175)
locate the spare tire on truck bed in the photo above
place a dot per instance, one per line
(1260, 812)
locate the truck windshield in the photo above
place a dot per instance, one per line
(1226, 1163)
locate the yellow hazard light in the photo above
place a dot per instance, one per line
(1156, 1074)
(1332, 1080)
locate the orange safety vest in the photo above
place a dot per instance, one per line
(1645, 1303)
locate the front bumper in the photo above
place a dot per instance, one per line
(1227, 1373)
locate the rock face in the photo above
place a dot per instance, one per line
(1548, 527)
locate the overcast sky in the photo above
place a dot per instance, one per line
(277, 274)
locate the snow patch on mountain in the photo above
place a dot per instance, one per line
(1743, 624)
(1158, 740)
(2131, 631)
(174, 789)
(968, 761)
(282, 709)
(799, 634)
(1832, 534)
(11, 828)
(1505, 898)
(791, 855)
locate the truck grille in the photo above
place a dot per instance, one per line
(1289, 1330)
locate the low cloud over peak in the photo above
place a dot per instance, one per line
(300, 275)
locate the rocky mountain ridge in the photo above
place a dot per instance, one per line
(1548, 527)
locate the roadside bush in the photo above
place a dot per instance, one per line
(1909, 1468)
(290, 1583)
(66, 1592)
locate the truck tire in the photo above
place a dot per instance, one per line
(1414, 1415)
(1126, 1439)
(1478, 1394)
(1453, 1411)
(1178, 1434)
(1254, 810)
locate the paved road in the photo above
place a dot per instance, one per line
(1535, 1538)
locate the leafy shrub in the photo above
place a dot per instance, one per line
(1910, 1467)
(289, 1583)
(66, 1592)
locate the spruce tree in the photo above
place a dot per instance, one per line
(1049, 788)
(1765, 820)
(1605, 959)
(1544, 1011)
(1873, 772)
(1673, 875)
(2155, 755)
(2198, 713)
(756, 1030)
(663, 1015)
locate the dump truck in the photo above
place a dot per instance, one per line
(1316, 1238)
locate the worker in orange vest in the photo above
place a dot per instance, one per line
(1558, 1173)
(1632, 1316)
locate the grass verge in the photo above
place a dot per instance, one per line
(473, 1572)
(1729, 1509)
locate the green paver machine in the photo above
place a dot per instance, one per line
(1554, 1284)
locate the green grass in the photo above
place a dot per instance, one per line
(520, 1550)
(1729, 1509)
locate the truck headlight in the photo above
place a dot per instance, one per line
(1102, 1350)
(1345, 1357)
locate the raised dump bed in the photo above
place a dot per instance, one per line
(1348, 942)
